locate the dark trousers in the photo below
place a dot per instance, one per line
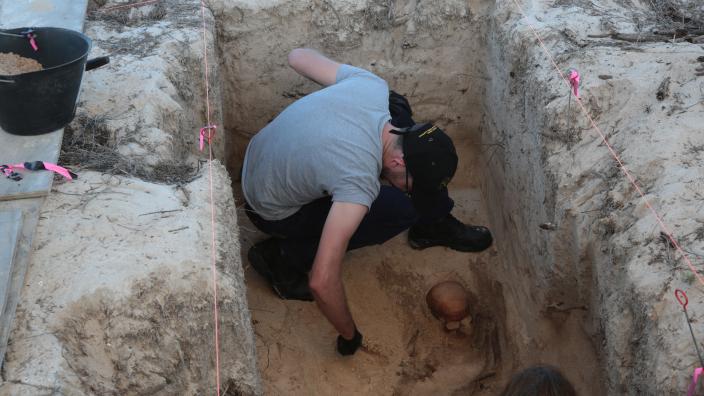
(390, 214)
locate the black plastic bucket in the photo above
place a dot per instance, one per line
(44, 101)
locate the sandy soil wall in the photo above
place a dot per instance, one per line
(119, 293)
(604, 252)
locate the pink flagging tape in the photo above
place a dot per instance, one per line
(206, 133)
(33, 42)
(58, 169)
(37, 166)
(211, 129)
(29, 35)
(692, 389)
(574, 82)
(615, 155)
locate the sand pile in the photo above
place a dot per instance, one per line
(12, 64)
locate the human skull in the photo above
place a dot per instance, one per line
(449, 302)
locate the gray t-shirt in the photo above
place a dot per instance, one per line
(326, 143)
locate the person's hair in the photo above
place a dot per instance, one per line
(539, 381)
(398, 144)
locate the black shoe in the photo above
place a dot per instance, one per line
(294, 290)
(268, 260)
(452, 233)
(262, 256)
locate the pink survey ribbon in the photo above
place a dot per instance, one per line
(207, 132)
(691, 391)
(33, 42)
(40, 165)
(574, 81)
(29, 34)
(60, 170)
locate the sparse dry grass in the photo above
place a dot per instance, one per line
(679, 16)
(89, 143)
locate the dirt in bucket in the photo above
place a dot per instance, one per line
(12, 64)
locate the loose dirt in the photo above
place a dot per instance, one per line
(12, 64)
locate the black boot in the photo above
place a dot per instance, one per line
(452, 233)
(268, 260)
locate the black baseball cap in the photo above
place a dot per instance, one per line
(430, 156)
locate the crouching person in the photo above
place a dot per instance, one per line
(311, 179)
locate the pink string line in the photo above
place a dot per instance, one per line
(628, 175)
(131, 5)
(212, 205)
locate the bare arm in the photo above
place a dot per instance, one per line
(326, 275)
(313, 65)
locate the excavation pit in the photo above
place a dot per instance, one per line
(438, 56)
(118, 297)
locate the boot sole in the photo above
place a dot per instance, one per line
(420, 244)
(284, 296)
(259, 264)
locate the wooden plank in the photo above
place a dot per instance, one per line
(10, 226)
(14, 197)
(26, 227)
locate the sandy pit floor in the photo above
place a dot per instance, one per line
(406, 350)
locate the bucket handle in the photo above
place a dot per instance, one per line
(97, 62)
(4, 32)
(7, 81)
